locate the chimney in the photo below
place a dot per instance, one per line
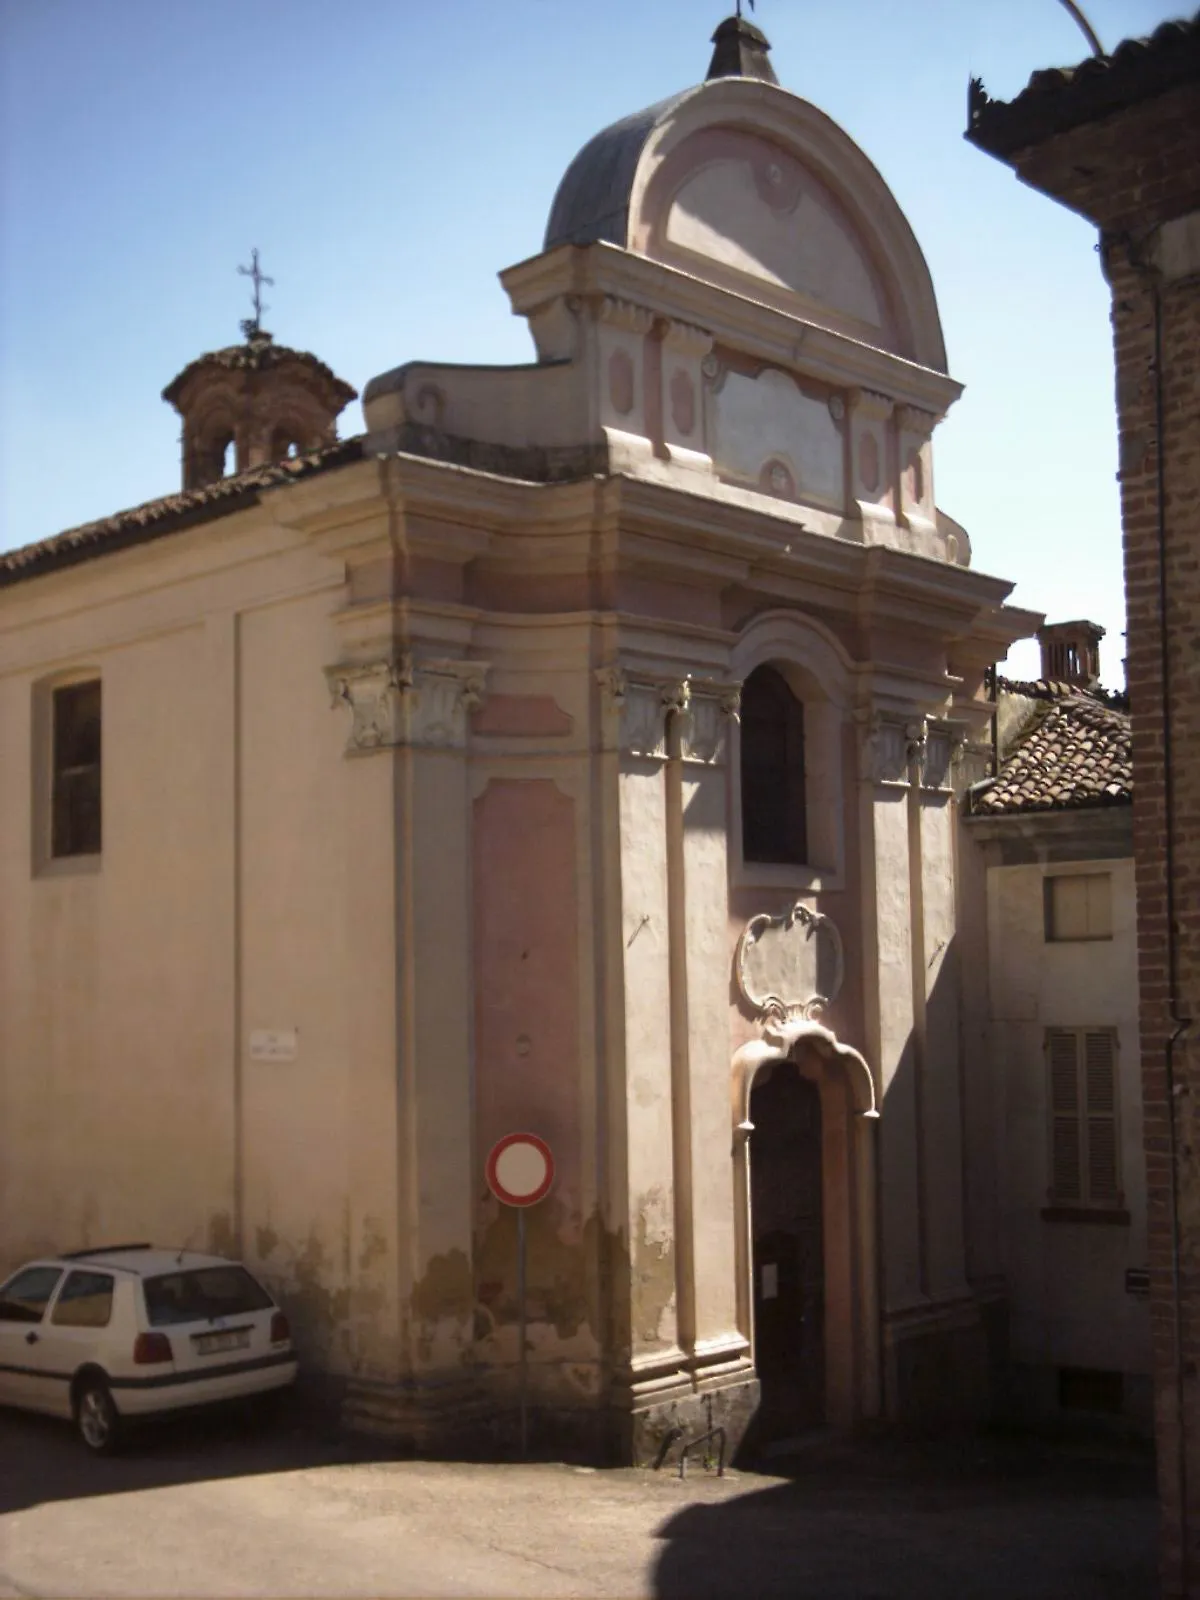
(1071, 652)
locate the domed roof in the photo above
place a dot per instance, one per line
(746, 186)
(259, 353)
(592, 202)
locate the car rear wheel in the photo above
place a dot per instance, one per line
(96, 1417)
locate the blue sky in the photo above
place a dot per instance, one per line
(389, 158)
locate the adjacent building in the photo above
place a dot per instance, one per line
(1055, 827)
(1116, 140)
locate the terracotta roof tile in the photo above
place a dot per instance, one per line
(1058, 98)
(258, 354)
(170, 513)
(1073, 753)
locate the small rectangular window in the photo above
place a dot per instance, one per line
(1084, 1132)
(1088, 1389)
(75, 785)
(1078, 906)
(85, 1301)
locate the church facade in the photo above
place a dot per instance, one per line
(577, 750)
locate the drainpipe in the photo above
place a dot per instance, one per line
(1180, 1023)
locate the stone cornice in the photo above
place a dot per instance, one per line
(633, 525)
(749, 325)
(1080, 833)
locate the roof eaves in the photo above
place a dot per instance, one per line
(1059, 98)
(168, 514)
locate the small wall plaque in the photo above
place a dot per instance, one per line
(274, 1044)
(1137, 1281)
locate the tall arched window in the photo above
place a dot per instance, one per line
(774, 827)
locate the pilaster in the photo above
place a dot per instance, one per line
(409, 720)
(669, 736)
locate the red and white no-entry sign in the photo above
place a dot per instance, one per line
(520, 1169)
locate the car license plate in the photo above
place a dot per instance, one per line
(208, 1344)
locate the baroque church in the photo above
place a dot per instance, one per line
(579, 750)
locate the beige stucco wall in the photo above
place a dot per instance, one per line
(1069, 1307)
(227, 898)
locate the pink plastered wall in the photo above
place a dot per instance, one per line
(527, 972)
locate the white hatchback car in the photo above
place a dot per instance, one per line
(101, 1336)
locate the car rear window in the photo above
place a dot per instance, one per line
(202, 1292)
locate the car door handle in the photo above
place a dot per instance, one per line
(31, 1337)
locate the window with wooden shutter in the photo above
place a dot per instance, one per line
(75, 785)
(1084, 1134)
(1078, 906)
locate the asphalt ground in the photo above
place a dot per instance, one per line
(221, 1505)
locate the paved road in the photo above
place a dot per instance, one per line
(216, 1509)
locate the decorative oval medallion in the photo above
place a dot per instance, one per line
(776, 478)
(915, 473)
(620, 382)
(683, 401)
(868, 462)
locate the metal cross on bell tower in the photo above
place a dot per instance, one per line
(253, 325)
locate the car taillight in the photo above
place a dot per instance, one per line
(280, 1331)
(151, 1347)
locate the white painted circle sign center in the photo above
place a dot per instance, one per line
(520, 1169)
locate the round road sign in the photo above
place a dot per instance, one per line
(520, 1169)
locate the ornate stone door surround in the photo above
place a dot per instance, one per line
(788, 968)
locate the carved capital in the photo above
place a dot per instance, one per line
(625, 314)
(916, 735)
(883, 748)
(704, 730)
(675, 695)
(684, 339)
(943, 748)
(439, 700)
(372, 690)
(398, 701)
(633, 713)
(636, 707)
(870, 405)
(915, 422)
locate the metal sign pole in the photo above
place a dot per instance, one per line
(520, 1172)
(521, 1332)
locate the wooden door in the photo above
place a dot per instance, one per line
(788, 1252)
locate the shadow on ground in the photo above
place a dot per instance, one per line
(974, 1518)
(42, 1459)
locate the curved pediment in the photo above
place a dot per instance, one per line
(734, 205)
(744, 185)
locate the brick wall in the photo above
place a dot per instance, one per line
(1131, 172)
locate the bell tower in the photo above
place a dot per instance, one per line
(254, 403)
